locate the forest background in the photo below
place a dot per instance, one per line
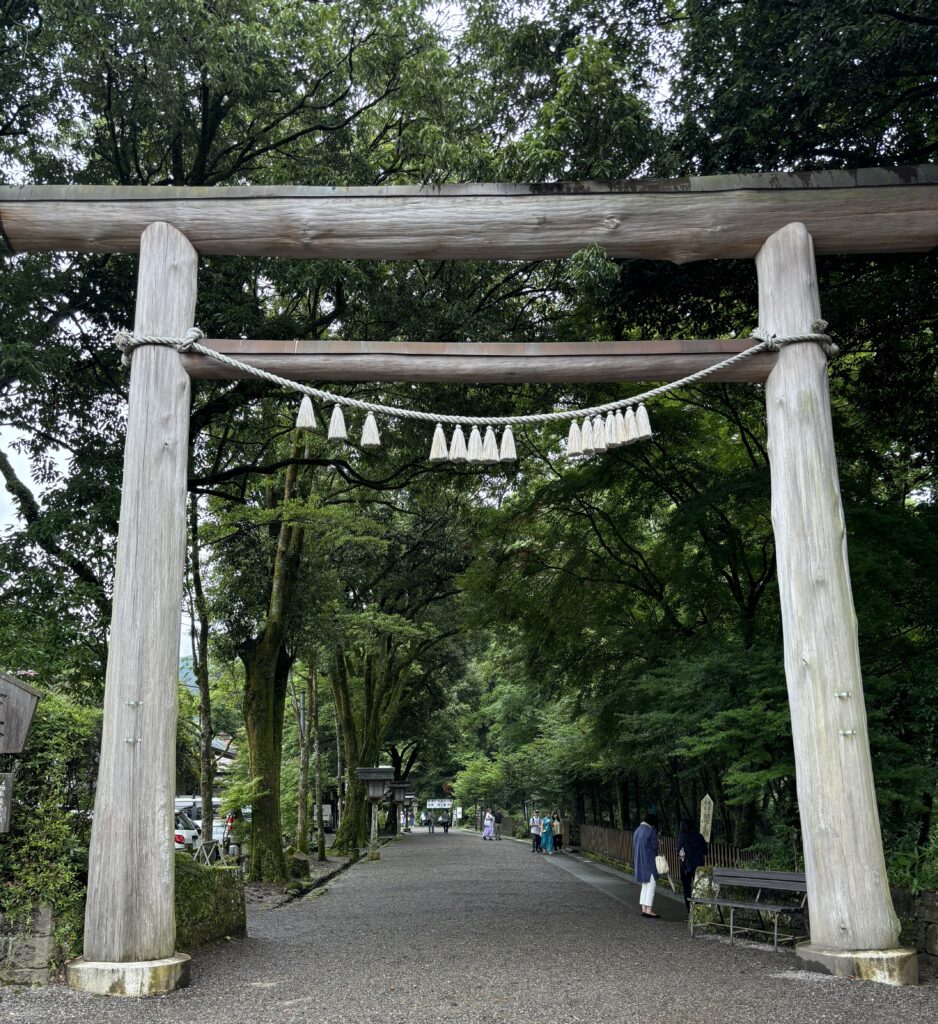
(600, 635)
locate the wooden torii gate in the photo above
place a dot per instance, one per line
(779, 220)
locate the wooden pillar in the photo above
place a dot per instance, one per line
(848, 892)
(129, 914)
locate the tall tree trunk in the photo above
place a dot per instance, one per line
(363, 732)
(925, 818)
(352, 833)
(339, 773)
(622, 785)
(200, 625)
(266, 670)
(299, 702)
(317, 766)
(265, 688)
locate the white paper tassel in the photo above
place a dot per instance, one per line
(457, 448)
(631, 429)
(622, 436)
(306, 417)
(507, 452)
(599, 434)
(438, 451)
(574, 441)
(642, 423)
(475, 446)
(489, 446)
(337, 425)
(586, 437)
(370, 436)
(612, 435)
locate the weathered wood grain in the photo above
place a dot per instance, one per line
(17, 705)
(483, 363)
(687, 219)
(129, 914)
(848, 891)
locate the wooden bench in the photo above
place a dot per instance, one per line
(762, 882)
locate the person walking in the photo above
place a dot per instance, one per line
(644, 851)
(557, 824)
(692, 853)
(498, 823)
(429, 822)
(489, 831)
(445, 821)
(547, 835)
(535, 825)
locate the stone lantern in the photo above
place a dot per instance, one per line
(376, 785)
(398, 793)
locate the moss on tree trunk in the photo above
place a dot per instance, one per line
(265, 682)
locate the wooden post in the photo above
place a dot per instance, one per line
(848, 892)
(129, 915)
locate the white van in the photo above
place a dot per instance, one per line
(191, 806)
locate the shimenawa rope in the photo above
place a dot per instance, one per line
(595, 434)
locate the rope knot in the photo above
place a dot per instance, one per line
(192, 336)
(769, 341)
(125, 342)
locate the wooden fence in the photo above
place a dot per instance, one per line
(616, 844)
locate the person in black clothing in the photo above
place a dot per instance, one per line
(445, 822)
(692, 852)
(498, 823)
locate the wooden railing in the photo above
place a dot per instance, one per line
(616, 844)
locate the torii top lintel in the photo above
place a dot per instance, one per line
(682, 219)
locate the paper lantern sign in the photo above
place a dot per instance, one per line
(6, 800)
(17, 705)
(706, 816)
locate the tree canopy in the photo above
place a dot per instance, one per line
(605, 634)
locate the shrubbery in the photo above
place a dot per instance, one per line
(44, 858)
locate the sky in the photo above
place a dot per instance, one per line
(21, 466)
(9, 517)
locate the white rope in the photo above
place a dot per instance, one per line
(127, 342)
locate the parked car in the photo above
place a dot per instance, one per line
(186, 835)
(191, 806)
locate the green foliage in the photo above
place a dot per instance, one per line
(209, 903)
(480, 783)
(767, 86)
(45, 854)
(912, 865)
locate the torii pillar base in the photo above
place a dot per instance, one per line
(137, 978)
(887, 966)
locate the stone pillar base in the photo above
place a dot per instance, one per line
(887, 966)
(137, 978)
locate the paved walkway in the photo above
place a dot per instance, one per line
(450, 928)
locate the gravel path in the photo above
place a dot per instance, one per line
(450, 928)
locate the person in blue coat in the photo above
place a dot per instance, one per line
(644, 851)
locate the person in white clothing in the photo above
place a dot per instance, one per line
(536, 827)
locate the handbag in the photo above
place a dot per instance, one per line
(661, 865)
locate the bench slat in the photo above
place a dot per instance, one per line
(769, 908)
(783, 881)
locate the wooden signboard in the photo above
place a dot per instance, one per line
(17, 704)
(706, 816)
